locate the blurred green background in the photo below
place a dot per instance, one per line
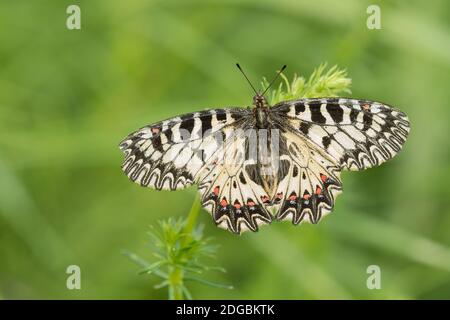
(67, 97)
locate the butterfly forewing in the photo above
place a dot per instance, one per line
(358, 134)
(170, 154)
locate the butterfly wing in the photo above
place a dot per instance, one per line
(308, 190)
(206, 148)
(358, 134)
(230, 185)
(170, 154)
(325, 136)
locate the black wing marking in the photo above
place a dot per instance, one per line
(358, 134)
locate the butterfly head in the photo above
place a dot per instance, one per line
(259, 101)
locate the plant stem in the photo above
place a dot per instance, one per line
(175, 284)
(176, 275)
(192, 216)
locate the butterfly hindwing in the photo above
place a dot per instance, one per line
(228, 190)
(309, 189)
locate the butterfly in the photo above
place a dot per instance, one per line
(263, 163)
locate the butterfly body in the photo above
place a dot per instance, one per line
(265, 163)
(261, 110)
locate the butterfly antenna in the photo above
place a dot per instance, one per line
(276, 77)
(239, 67)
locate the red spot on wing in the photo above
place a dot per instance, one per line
(237, 205)
(265, 199)
(250, 203)
(306, 196)
(216, 190)
(155, 130)
(318, 190)
(293, 197)
(323, 177)
(224, 202)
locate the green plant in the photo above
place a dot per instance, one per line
(321, 83)
(180, 248)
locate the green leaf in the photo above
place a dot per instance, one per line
(209, 283)
(153, 267)
(160, 285)
(321, 83)
(186, 292)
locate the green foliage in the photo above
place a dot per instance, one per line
(321, 83)
(179, 257)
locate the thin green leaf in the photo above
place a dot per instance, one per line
(186, 293)
(209, 283)
(153, 267)
(160, 285)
